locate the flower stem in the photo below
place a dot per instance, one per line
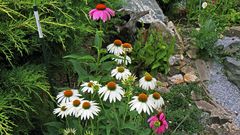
(115, 114)
(92, 126)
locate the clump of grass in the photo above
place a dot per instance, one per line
(182, 113)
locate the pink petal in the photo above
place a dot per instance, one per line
(165, 124)
(153, 118)
(104, 16)
(151, 125)
(96, 15)
(160, 130)
(91, 13)
(162, 117)
(108, 15)
(110, 11)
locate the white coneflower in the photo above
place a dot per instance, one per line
(157, 100)
(127, 47)
(61, 110)
(204, 5)
(147, 82)
(112, 92)
(67, 95)
(120, 73)
(74, 107)
(69, 131)
(120, 60)
(89, 109)
(89, 86)
(115, 47)
(141, 103)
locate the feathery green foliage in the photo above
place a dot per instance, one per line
(21, 88)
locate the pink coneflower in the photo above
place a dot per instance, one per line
(158, 123)
(101, 12)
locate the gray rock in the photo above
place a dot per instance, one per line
(232, 68)
(155, 12)
(227, 41)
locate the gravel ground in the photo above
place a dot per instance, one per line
(223, 91)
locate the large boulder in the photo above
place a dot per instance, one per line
(155, 12)
(232, 69)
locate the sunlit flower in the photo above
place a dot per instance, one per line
(120, 60)
(120, 73)
(74, 107)
(204, 5)
(141, 103)
(101, 12)
(89, 109)
(147, 82)
(158, 123)
(157, 100)
(112, 92)
(67, 95)
(115, 47)
(61, 110)
(127, 47)
(69, 131)
(90, 86)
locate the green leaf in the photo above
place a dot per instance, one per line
(156, 65)
(86, 58)
(108, 57)
(98, 39)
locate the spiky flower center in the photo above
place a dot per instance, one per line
(86, 105)
(90, 84)
(101, 6)
(63, 108)
(148, 77)
(127, 45)
(68, 93)
(157, 123)
(120, 69)
(156, 95)
(76, 103)
(142, 97)
(117, 42)
(111, 86)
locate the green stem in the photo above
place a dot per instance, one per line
(116, 117)
(67, 122)
(92, 126)
(126, 109)
(80, 125)
(100, 100)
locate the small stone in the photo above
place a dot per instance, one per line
(190, 77)
(202, 70)
(177, 79)
(187, 69)
(192, 53)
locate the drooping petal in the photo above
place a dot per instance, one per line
(92, 12)
(110, 11)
